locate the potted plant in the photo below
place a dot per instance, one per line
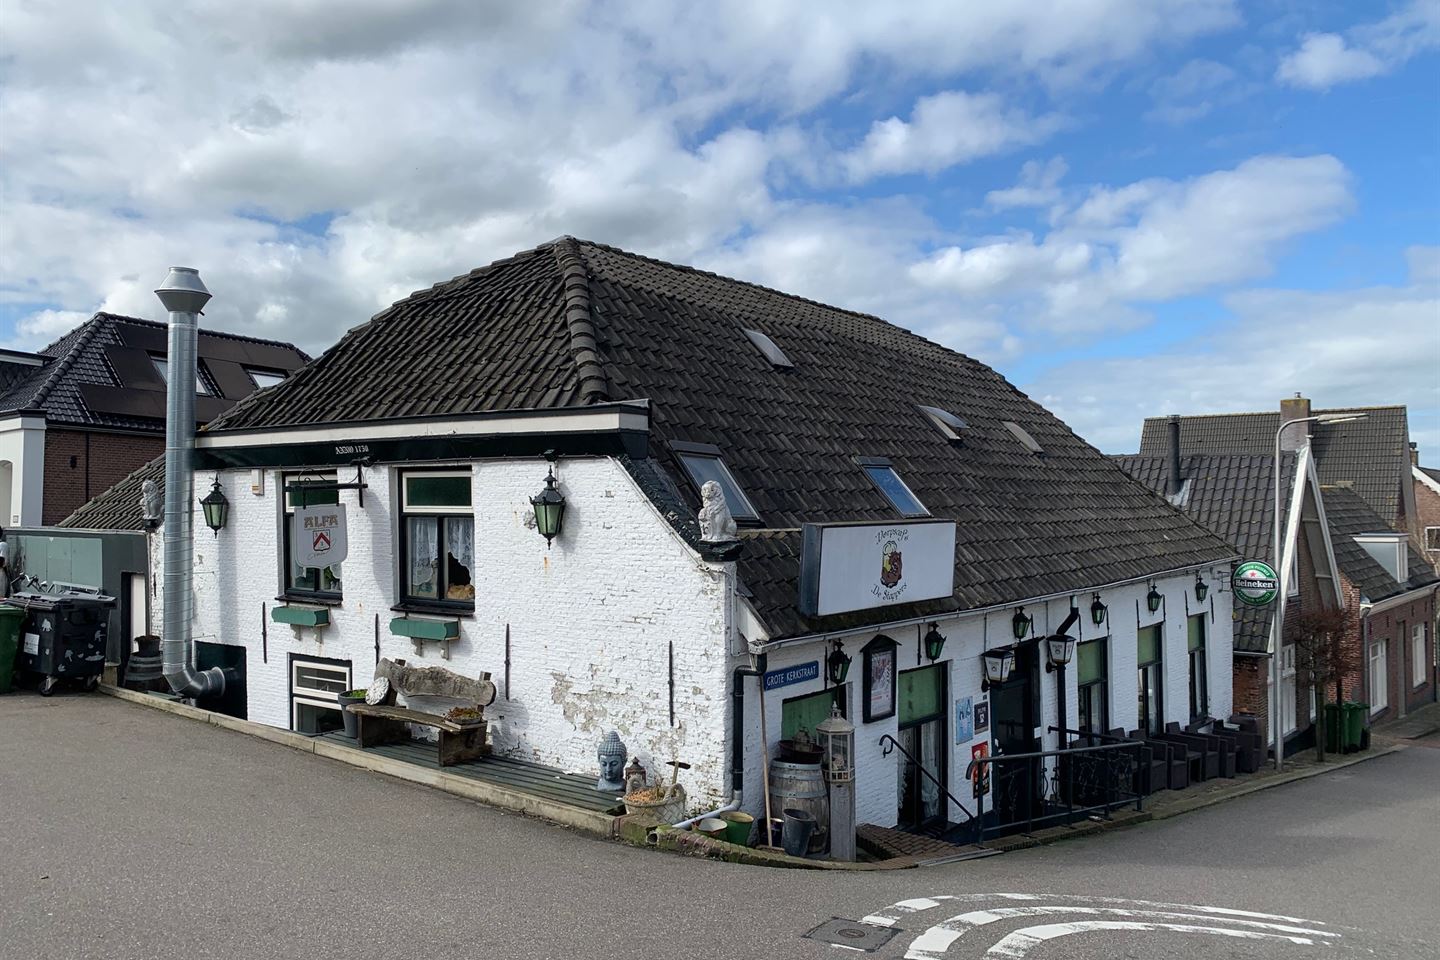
(349, 699)
(466, 716)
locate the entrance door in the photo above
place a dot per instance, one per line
(1013, 717)
(922, 699)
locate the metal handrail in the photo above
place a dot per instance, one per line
(1102, 737)
(1032, 762)
(895, 744)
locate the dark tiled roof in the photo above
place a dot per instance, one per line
(81, 361)
(1371, 454)
(574, 322)
(1232, 496)
(1432, 473)
(1349, 515)
(119, 507)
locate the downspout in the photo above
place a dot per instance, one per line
(1060, 690)
(184, 295)
(737, 740)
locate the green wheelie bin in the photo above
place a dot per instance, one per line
(1355, 714)
(10, 620)
(1334, 727)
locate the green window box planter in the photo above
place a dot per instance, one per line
(301, 616)
(425, 629)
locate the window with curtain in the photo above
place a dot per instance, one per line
(1199, 682)
(1093, 679)
(1151, 680)
(437, 537)
(319, 582)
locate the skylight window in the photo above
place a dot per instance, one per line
(703, 463)
(945, 421)
(772, 351)
(162, 367)
(888, 482)
(1021, 434)
(265, 378)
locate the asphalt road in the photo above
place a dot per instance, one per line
(132, 833)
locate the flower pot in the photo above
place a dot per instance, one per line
(738, 826)
(352, 725)
(795, 835)
(712, 827)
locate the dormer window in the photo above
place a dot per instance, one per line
(945, 421)
(772, 351)
(888, 482)
(702, 462)
(1023, 435)
(265, 378)
(162, 367)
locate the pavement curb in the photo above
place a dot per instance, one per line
(597, 824)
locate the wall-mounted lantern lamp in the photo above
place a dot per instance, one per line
(837, 665)
(216, 508)
(1098, 612)
(549, 505)
(1153, 599)
(1058, 651)
(998, 664)
(1020, 624)
(934, 643)
(1201, 588)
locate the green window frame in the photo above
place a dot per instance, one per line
(1199, 667)
(808, 710)
(1092, 676)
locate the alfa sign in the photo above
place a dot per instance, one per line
(317, 535)
(858, 566)
(1255, 583)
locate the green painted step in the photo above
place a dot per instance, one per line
(301, 616)
(425, 629)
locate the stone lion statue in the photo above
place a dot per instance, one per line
(151, 507)
(716, 523)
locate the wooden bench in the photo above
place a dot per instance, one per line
(384, 724)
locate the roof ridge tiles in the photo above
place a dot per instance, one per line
(88, 331)
(579, 322)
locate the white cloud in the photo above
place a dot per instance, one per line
(1193, 91)
(1037, 186)
(1378, 345)
(1151, 241)
(944, 130)
(1327, 59)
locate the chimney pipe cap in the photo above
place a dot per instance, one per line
(183, 291)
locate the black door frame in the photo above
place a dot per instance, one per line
(943, 774)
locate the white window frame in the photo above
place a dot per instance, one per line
(256, 373)
(1418, 660)
(316, 699)
(287, 515)
(407, 510)
(1288, 693)
(1432, 539)
(1379, 682)
(894, 475)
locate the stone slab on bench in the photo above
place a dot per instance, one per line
(382, 724)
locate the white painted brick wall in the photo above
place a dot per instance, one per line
(589, 620)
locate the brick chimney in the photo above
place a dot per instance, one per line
(1414, 454)
(1294, 408)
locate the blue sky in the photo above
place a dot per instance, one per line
(1129, 207)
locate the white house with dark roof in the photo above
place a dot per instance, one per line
(900, 509)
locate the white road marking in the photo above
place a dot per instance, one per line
(892, 914)
(933, 943)
(1021, 942)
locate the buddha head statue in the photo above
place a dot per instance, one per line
(611, 754)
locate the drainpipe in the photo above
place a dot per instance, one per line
(1177, 483)
(737, 720)
(1060, 691)
(184, 295)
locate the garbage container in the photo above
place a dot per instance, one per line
(64, 636)
(1334, 727)
(1355, 733)
(10, 620)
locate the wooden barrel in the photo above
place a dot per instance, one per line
(800, 786)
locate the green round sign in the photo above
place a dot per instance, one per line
(1255, 583)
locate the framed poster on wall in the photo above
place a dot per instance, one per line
(879, 678)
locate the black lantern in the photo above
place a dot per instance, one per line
(837, 665)
(1153, 599)
(1020, 624)
(1058, 651)
(1097, 612)
(549, 505)
(216, 508)
(1201, 588)
(998, 664)
(934, 643)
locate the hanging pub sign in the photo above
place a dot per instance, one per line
(1255, 583)
(317, 537)
(858, 566)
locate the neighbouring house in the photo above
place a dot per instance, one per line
(897, 504)
(1393, 588)
(1233, 496)
(84, 412)
(1371, 509)
(1427, 508)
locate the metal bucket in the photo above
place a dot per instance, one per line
(801, 786)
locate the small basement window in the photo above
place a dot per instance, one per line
(888, 482)
(702, 462)
(1023, 435)
(772, 351)
(945, 421)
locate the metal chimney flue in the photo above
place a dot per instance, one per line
(1176, 481)
(184, 295)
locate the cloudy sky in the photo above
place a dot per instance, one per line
(1129, 207)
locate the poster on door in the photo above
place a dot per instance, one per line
(980, 772)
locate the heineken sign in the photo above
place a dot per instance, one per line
(1255, 583)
